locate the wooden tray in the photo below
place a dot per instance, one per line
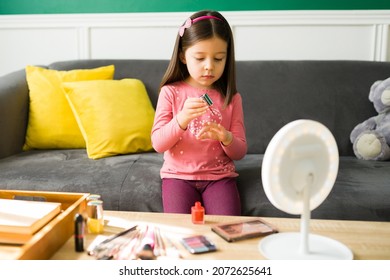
(54, 234)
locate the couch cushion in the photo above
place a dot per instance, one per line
(334, 93)
(132, 183)
(126, 183)
(115, 117)
(361, 191)
(51, 122)
(275, 93)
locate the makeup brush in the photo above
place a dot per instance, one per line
(146, 253)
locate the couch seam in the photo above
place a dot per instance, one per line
(123, 181)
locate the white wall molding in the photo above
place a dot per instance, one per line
(41, 39)
(173, 19)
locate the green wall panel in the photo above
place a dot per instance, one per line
(137, 6)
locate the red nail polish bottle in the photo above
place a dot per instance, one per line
(197, 212)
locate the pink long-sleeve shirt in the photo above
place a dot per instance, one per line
(185, 156)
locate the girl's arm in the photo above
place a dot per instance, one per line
(171, 119)
(166, 130)
(238, 147)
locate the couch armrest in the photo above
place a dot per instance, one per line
(14, 104)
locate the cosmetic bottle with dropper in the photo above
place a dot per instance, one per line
(211, 115)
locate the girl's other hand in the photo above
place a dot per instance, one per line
(215, 131)
(193, 107)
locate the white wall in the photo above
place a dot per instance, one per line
(291, 35)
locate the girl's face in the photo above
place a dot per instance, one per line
(205, 62)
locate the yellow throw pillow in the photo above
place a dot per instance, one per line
(52, 124)
(115, 117)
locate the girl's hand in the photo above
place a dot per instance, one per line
(215, 131)
(193, 107)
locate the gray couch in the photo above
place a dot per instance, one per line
(275, 93)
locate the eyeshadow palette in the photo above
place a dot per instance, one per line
(198, 244)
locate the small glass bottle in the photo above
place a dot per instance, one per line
(95, 220)
(197, 213)
(94, 197)
(211, 115)
(88, 199)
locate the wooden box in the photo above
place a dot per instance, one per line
(54, 234)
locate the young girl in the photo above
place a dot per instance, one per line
(200, 139)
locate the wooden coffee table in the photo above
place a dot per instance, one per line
(367, 240)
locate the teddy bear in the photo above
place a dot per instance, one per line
(371, 138)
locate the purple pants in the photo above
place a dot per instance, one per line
(219, 197)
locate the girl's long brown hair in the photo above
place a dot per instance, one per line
(203, 30)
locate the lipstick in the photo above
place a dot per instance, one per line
(79, 229)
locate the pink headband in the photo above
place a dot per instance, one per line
(190, 22)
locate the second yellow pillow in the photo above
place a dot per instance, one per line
(115, 117)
